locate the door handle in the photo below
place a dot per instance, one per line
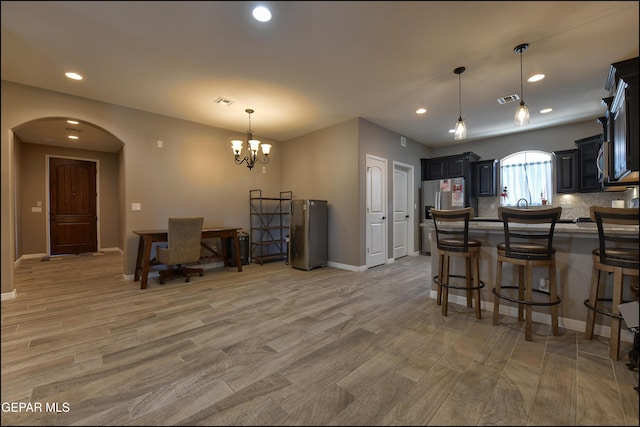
(384, 217)
(406, 216)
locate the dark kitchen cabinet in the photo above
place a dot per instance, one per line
(624, 115)
(433, 168)
(484, 178)
(588, 175)
(566, 171)
(456, 166)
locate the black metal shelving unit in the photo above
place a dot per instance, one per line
(269, 224)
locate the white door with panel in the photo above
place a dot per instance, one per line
(376, 206)
(402, 207)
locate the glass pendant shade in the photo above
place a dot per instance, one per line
(460, 131)
(522, 115)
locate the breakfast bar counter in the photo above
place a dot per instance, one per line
(573, 240)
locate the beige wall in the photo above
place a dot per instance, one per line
(32, 179)
(324, 165)
(194, 174)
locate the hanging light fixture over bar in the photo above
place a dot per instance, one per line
(460, 130)
(522, 113)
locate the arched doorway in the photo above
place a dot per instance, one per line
(41, 141)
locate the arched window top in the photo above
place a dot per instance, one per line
(526, 176)
(528, 156)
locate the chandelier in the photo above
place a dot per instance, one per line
(250, 157)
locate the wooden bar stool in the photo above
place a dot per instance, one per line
(453, 240)
(527, 248)
(617, 254)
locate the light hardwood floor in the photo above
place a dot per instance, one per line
(278, 346)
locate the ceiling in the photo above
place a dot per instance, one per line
(319, 63)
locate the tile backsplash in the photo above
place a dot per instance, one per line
(574, 205)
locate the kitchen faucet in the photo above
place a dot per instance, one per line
(526, 203)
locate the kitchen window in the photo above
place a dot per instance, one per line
(526, 175)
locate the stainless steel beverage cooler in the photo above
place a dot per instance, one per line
(308, 246)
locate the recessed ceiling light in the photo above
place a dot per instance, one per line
(421, 110)
(73, 137)
(262, 14)
(546, 110)
(73, 76)
(73, 122)
(535, 78)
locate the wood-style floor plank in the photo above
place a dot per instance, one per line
(278, 346)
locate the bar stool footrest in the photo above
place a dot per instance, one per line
(436, 280)
(603, 311)
(518, 301)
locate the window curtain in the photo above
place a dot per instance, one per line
(528, 181)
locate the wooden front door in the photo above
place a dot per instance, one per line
(72, 211)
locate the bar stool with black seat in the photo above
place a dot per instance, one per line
(453, 241)
(528, 235)
(617, 254)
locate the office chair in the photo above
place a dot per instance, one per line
(183, 247)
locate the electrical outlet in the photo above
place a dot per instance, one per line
(543, 285)
(136, 207)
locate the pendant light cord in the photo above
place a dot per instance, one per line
(459, 97)
(521, 86)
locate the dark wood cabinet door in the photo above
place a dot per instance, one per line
(484, 176)
(435, 169)
(456, 167)
(588, 175)
(566, 171)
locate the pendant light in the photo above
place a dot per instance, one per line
(522, 113)
(460, 131)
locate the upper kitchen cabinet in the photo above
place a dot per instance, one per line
(623, 116)
(484, 178)
(455, 166)
(588, 176)
(566, 171)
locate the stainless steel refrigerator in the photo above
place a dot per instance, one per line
(446, 194)
(308, 234)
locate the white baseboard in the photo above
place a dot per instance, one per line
(116, 249)
(347, 266)
(572, 324)
(5, 296)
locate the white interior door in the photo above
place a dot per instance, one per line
(401, 212)
(376, 211)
